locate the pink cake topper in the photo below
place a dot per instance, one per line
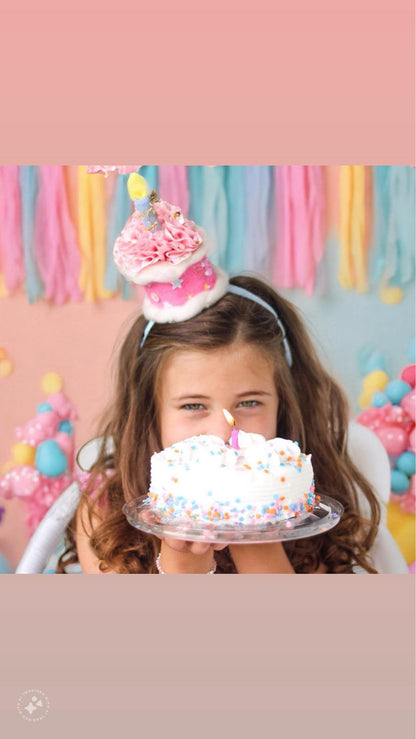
(167, 254)
(106, 168)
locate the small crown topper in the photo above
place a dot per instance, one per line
(167, 254)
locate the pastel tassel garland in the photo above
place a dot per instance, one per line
(55, 242)
(28, 180)
(11, 250)
(173, 186)
(92, 234)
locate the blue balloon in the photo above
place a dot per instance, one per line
(66, 427)
(379, 399)
(50, 459)
(396, 390)
(399, 482)
(44, 407)
(407, 463)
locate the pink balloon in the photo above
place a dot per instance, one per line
(412, 568)
(43, 426)
(408, 374)
(370, 418)
(394, 439)
(61, 405)
(408, 403)
(412, 441)
(21, 482)
(66, 443)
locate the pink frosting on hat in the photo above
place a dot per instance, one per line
(167, 254)
(137, 248)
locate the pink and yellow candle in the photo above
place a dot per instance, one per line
(234, 431)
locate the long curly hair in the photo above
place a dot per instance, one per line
(312, 409)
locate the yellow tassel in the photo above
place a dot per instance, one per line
(3, 289)
(345, 274)
(92, 234)
(353, 228)
(358, 251)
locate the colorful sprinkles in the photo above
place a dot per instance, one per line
(192, 461)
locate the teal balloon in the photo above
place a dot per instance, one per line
(399, 482)
(66, 427)
(50, 459)
(407, 463)
(379, 399)
(44, 408)
(396, 390)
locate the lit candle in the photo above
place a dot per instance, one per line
(234, 432)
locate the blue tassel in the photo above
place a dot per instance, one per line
(258, 191)
(234, 183)
(28, 181)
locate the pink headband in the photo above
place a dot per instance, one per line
(168, 254)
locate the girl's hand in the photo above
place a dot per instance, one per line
(187, 557)
(14, 534)
(194, 547)
(181, 556)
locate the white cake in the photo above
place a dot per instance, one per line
(203, 479)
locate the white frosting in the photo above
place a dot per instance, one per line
(202, 478)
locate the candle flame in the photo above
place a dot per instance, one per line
(228, 417)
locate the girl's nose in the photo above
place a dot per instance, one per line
(219, 426)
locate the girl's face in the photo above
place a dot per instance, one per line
(196, 386)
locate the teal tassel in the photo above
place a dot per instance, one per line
(28, 181)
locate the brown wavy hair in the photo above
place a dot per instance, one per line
(312, 410)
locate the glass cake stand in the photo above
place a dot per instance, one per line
(324, 516)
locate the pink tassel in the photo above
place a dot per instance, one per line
(300, 226)
(11, 249)
(56, 246)
(318, 216)
(303, 262)
(283, 272)
(173, 186)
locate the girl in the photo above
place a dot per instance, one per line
(249, 353)
(238, 346)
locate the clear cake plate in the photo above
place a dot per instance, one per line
(324, 516)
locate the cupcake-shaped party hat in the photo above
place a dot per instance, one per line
(167, 254)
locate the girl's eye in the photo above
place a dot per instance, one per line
(248, 403)
(193, 407)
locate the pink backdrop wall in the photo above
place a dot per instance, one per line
(75, 340)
